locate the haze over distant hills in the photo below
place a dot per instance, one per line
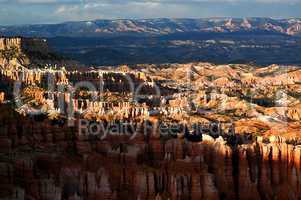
(263, 41)
(156, 26)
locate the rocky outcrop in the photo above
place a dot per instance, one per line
(11, 54)
(8, 43)
(24, 44)
(28, 52)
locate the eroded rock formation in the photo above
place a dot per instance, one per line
(235, 131)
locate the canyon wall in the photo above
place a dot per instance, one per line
(48, 160)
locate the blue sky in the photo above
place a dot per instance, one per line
(55, 11)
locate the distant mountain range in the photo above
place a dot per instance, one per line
(159, 26)
(262, 41)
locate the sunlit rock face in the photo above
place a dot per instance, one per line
(9, 48)
(7, 43)
(26, 44)
(2, 97)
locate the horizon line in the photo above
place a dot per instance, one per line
(174, 18)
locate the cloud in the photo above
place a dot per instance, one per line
(84, 2)
(33, 2)
(67, 9)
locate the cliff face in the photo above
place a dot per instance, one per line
(28, 52)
